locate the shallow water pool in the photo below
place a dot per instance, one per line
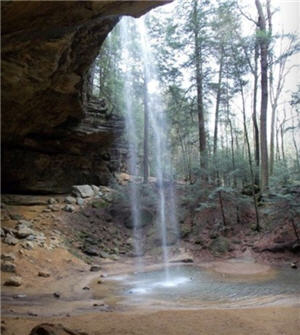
(188, 284)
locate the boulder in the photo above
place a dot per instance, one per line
(83, 191)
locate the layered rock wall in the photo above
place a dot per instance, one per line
(50, 137)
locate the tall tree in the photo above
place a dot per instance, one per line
(263, 41)
(197, 26)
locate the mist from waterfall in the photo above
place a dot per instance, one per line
(158, 128)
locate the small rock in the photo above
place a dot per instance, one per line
(56, 295)
(103, 254)
(8, 257)
(2, 233)
(11, 240)
(24, 232)
(294, 265)
(95, 268)
(8, 267)
(24, 223)
(28, 245)
(52, 201)
(83, 191)
(20, 296)
(13, 281)
(46, 210)
(85, 288)
(69, 208)
(79, 201)
(44, 274)
(54, 208)
(95, 189)
(70, 200)
(99, 281)
(115, 257)
(90, 251)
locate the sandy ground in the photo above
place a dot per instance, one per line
(260, 321)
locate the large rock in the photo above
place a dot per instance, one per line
(53, 136)
(52, 329)
(83, 191)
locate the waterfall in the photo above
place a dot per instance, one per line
(131, 131)
(161, 160)
(158, 124)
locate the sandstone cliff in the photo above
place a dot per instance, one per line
(52, 137)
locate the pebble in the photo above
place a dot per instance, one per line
(95, 268)
(44, 274)
(20, 296)
(32, 314)
(85, 288)
(294, 265)
(56, 295)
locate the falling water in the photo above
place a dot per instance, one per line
(163, 170)
(162, 161)
(131, 130)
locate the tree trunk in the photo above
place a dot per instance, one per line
(199, 84)
(263, 42)
(254, 117)
(146, 135)
(296, 149)
(218, 101)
